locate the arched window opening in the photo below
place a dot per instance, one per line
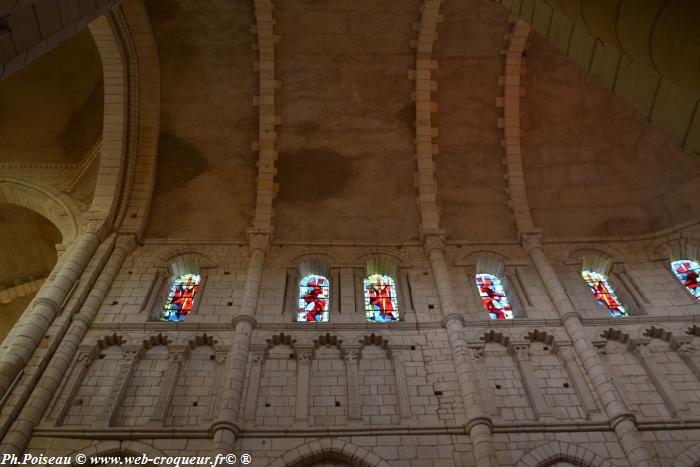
(380, 298)
(688, 272)
(493, 296)
(603, 292)
(314, 303)
(181, 298)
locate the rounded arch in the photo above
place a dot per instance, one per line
(549, 453)
(176, 254)
(574, 254)
(689, 457)
(328, 449)
(393, 255)
(44, 202)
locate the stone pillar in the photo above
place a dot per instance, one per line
(674, 404)
(20, 343)
(359, 290)
(220, 359)
(251, 401)
(225, 428)
(478, 424)
(167, 387)
(566, 357)
(621, 420)
(130, 356)
(304, 355)
(401, 385)
(20, 432)
(521, 354)
(82, 363)
(352, 356)
(347, 291)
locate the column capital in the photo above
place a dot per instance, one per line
(433, 241)
(351, 353)
(531, 240)
(126, 242)
(304, 354)
(259, 240)
(244, 319)
(452, 317)
(479, 420)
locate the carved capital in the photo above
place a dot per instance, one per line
(259, 241)
(351, 354)
(126, 242)
(244, 319)
(531, 240)
(433, 242)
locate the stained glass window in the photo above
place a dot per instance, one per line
(604, 293)
(493, 297)
(688, 272)
(380, 298)
(313, 299)
(181, 298)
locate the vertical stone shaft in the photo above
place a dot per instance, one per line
(251, 401)
(351, 360)
(303, 371)
(527, 374)
(20, 432)
(478, 424)
(621, 420)
(663, 386)
(23, 339)
(225, 428)
(167, 387)
(402, 386)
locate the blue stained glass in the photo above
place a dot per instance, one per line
(181, 298)
(688, 272)
(493, 296)
(313, 299)
(604, 293)
(380, 299)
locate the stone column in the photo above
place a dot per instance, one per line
(521, 354)
(225, 428)
(167, 387)
(663, 386)
(347, 291)
(220, 359)
(566, 357)
(478, 424)
(82, 363)
(351, 355)
(359, 291)
(251, 401)
(621, 420)
(20, 343)
(20, 432)
(401, 385)
(130, 356)
(304, 355)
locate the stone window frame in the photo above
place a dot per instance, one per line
(675, 250)
(631, 295)
(380, 264)
(162, 282)
(507, 271)
(305, 268)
